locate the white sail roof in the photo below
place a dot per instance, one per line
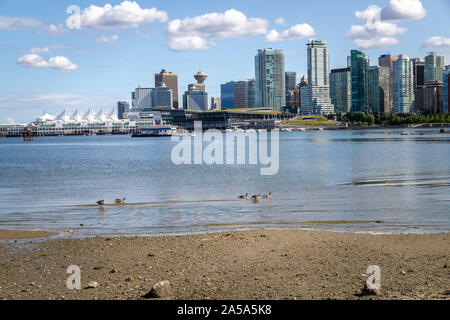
(112, 116)
(45, 117)
(76, 116)
(64, 116)
(100, 116)
(89, 116)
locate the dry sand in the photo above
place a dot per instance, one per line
(258, 264)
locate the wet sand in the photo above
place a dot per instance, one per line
(257, 264)
(23, 234)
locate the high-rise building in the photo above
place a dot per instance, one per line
(163, 96)
(142, 98)
(419, 84)
(238, 94)
(434, 67)
(227, 95)
(216, 103)
(341, 89)
(270, 81)
(251, 93)
(403, 85)
(379, 89)
(432, 98)
(387, 61)
(171, 81)
(446, 91)
(360, 83)
(318, 79)
(290, 83)
(196, 97)
(122, 108)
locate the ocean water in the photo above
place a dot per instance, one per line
(347, 180)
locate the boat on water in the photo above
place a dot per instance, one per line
(153, 132)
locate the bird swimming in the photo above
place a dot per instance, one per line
(244, 196)
(121, 201)
(101, 203)
(256, 197)
(268, 196)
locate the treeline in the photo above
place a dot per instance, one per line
(362, 119)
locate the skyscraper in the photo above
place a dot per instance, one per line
(360, 83)
(196, 97)
(387, 61)
(290, 82)
(419, 84)
(341, 89)
(379, 89)
(270, 81)
(403, 85)
(446, 91)
(318, 79)
(171, 81)
(163, 96)
(434, 67)
(122, 107)
(237, 94)
(251, 93)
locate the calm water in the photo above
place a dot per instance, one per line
(338, 180)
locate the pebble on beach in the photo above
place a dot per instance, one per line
(160, 290)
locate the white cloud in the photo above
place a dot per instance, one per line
(18, 23)
(105, 39)
(39, 50)
(437, 41)
(296, 32)
(230, 24)
(375, 43)
(280, 21)
(35, 61)
(403, 10)
(379, 29)
(125, 15)
(188, 43)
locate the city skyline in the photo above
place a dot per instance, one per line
(103, 51)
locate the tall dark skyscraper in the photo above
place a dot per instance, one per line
(270, 79)
(171, 81)
(360, 81)
(122, 107)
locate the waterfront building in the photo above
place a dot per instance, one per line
(171, 81)
(434, 67)
(341, 89)
(216, 103)
(432, 97)
(270, 79)
(227, 95)
(122, 108)
(403, 85)
(145, 99)
(290, 86)
(446, 91)
(319, 101)
(360, 83)
(379, 89)
(419, 84)
(387, 61)
(238, 94)
(163, 96)
(196, 97)
(251, 93)
(142, 98)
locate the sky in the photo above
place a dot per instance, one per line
(57, 55)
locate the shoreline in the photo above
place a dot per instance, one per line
(255, 264)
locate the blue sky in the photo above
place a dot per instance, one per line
(46, 65)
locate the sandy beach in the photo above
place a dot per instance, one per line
(257, 264)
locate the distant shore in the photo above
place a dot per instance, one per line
(257, 264)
